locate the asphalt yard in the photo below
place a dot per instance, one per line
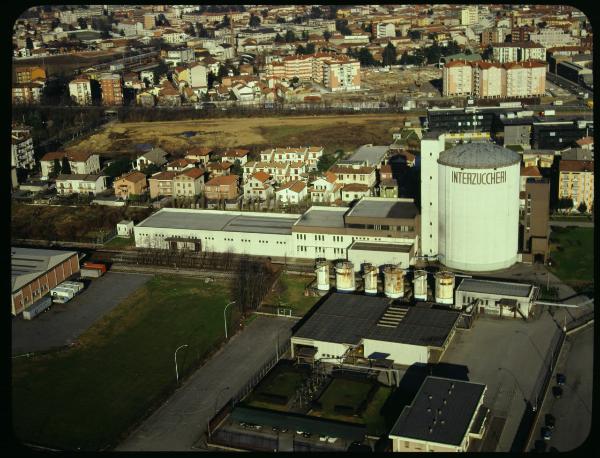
(508, 356)
(63, 323)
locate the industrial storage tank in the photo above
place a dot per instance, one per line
(370, 278)
(444, 287)
(393, 281)
(420, 285)
(478, 207)
(322, 272)
(344, 277)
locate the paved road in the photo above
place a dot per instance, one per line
(571, 223)
(181, 421)
(63, 323)
(573, 411)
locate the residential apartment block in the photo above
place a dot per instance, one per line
(29, 74)
(80, 162)
(189, 183)
(131, 184)
(308, 155)
(222, 187)
(161, 184)
(80, 90)
(112, 90)
(518, 52)
(469, 15)
(576, 181)
(489, 80)
(22, 152)
(27, 93)
(385, 30)
(336, 73)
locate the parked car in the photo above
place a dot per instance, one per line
(546, 433)
(561, 379)
(557, 392)
(307, 435)
(550, 421)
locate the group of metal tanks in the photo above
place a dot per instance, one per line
(393, 281)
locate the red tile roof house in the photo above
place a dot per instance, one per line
(222, 187)
(292, 192)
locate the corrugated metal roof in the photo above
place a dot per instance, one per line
(495, 287)
(479, 156)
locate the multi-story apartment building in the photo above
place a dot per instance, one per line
(325, 189)
(112, 90)
(131, 184)
(469, 15)
(493, 35)
(222, 187)
(385, 30)
(22, 152)
(27, 93)
(550, 37)
(576, 182)
(80, 90)
(149, 21)
(80, 162)
(354, 174)
(29, 74)
(337, 73)
(488, 80)
(309, 155)
(258, 187)
(518, 52)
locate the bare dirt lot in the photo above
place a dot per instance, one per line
(332, 132)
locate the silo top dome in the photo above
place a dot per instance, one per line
(478, 156)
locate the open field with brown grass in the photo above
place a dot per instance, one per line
(332, 132)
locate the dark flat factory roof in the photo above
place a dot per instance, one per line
(452, 419)
(349, 318)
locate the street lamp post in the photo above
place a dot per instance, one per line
(225, 317)
(176, 371)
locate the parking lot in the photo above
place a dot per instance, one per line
(508, 356)
(63, 323)
(573, 410)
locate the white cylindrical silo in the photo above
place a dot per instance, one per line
(393, 281)
(444, 287)
(322, 272)
(344, 277)
(478, 207)
(420, 285)
(370, 279)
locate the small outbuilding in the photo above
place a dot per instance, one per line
(125, 228)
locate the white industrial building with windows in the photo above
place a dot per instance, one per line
(388, 227)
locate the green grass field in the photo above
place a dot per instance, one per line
(344, 392)
(118, 243)
(572, 253)
(89, 395)
(282, 381)
(289, 292)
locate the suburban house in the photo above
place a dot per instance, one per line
(189, 183)
(80, 162)
(161, 184)
(131, 184)
(325, 189)
(258, 186)
(199, 154)
(354, 191)
(218, 169)
(354, 174)
(179, 165)
(292, 192)
(222, 187)
(235, 154)
(80, 184)
(156, 156)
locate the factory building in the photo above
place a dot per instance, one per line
(366, 327)
(470, 204)
(496, 297)
(35, 272)
(444, 416)
(391, 227)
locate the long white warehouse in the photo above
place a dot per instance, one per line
(389, 226)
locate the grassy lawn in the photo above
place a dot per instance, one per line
(372, 416)
(572, 253)
(120, 243)
(89, 395)
(344, 392)
(289, 292)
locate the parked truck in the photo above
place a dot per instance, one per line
(38, 307)
(66, 291)
(92, 270)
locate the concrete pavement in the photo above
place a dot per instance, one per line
(181, 421)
